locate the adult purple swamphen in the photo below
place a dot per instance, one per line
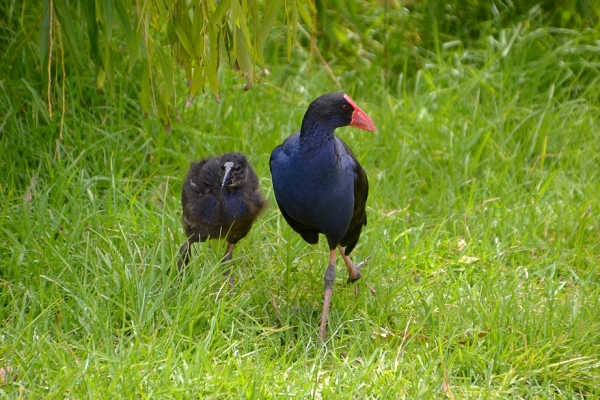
(220, 199)
(319, 185)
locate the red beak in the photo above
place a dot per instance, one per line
(360, 119)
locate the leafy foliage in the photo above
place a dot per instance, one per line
(113, 39)
(117, 37)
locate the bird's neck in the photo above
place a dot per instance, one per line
(315, 133)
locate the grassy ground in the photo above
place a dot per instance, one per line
(483, 235)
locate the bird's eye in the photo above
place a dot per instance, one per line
(223, 166)
(237, 168)
(345, 107)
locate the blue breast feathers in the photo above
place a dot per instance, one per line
(234, 206)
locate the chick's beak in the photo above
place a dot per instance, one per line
(228, 166)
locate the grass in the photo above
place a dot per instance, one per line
(483, 235)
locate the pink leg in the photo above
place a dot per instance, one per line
(329, 281)
(226, 258)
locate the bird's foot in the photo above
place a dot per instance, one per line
(229, 273)
(357, 275)
(184, 255)
(356, 268)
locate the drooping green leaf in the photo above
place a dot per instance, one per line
(183, 16)
(243, 57)
(145, 88)
(165, 66)
(92, 29)
(293, 23)
(68, 29)
(198, 80)
(161, 108)
(124, 18)
(239, 18)
(183, 38)
(109, 14)
(217, 16)
(272, 8)
(187, 66)
(197, 31)
(45, 41)
(306, 14)
(292, 19)
(162, 9)
(100, 76)
(212, 65)
(200, 48)
(253, 12)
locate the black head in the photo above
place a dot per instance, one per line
(233, 170)
(335, 110)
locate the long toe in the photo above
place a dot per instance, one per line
(368, 285)
(362, 263)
